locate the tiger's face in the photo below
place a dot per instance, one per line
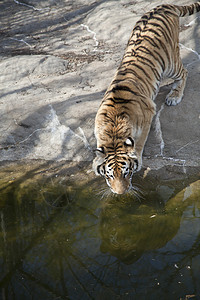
(117, 165)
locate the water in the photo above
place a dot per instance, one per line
(63, 240)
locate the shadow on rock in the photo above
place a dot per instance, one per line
(52, 132)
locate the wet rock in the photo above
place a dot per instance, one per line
(57, 60)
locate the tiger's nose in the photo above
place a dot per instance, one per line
(119, 188)
(118, 192)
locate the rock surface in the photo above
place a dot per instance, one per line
(57, 59)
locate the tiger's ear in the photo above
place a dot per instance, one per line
(129, 143)
(99, 159)
(100, 152)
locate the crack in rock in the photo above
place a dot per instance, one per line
(192, 22)
(188, 144)
(58, 141)
(159, 136)
(191, 50)
(29, 6)
(21, 41)
(55, 126)
(158, 130)
(94, 35)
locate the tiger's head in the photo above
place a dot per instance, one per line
(117, 165)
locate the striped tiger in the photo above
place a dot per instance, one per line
(124, 117)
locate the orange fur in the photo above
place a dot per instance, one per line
(124, 117)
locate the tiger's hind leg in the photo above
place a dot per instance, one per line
(175, 95)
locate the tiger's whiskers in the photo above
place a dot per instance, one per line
(104, 193)
(137, 192)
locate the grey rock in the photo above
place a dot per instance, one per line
(57, 59)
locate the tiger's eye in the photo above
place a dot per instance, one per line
(129, 142)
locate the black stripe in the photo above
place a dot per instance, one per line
(120, 154)
(164, 48)
(137, 30)
(166, 7)
(128, 62)
(153, 69)
(166, 17)
(110, 165)
(135, 101)
(151, 14)
(131, 60)
(145, 58)
(116, 81)
(170, 13)
(147, 51)
(137, 27)
(161, 58)
(108, 134)
(134, 63)
(122, 100)
(144, 20)
(131, 71)
(108, 118)
(144, 17)
(105, 115)
(166, 36)
(139, 41)
(178, 74)
(123, 88)
(110, 150)
(144, 102)
(169, 36)
(191, 10)
(118, 144)
(132, 42)
(105, 99)
(110, 105)
(141, 68)
(150, 40)
(129, 54)
(160, 18)
(98, 169)
(153, 31)
(197, 6)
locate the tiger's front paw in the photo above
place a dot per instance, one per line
(173, 98)
(172, 101)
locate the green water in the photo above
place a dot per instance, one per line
(60, 240)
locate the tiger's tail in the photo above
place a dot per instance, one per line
(187, 10)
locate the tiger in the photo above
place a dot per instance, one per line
(124, 117)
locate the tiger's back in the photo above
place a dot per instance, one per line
(124, 117)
